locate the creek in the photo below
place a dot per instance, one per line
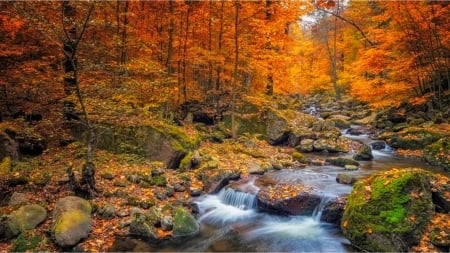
(230, 221)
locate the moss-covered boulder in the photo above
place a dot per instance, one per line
(438, 153)
(184, 224)
(163, 142)
(26, 217)
(342, 161)
(389, 211)
(332, 145)
(143, 224)
(412, 138)
(71, 220)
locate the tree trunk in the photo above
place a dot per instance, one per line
(235, 71)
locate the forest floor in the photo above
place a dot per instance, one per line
(112, 171)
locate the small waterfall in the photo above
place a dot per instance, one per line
(241, 200)
(317, 213)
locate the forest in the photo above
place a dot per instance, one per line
(121, 122)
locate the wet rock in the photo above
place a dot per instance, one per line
(345, 178)
(72, 220)
(288, 199)
(26, 218)
(342, 161)
(215, 180)
(411, 138)
(332, 145)
(378, 145)
(333, 210)
(378, 213)
(350, 167)
(364, 153)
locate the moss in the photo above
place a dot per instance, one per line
(158, 180)
(5, 166)
(299, 157)
(69, 219)
(185, 163)
(26, 242)
(42, 179)
(438, 153)
(392, 206)
(184, 223)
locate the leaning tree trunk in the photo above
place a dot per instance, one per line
(84, 187)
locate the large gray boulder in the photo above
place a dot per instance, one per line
(71, 220)
(184, 224)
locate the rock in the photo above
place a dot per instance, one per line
(72, 220)
(333, 210)
(107, 211)
(438, 153)
(167, 223)
(18, 198)
(441, 193)
(440, 236)
(26, 218)
(215, 180)
(332, 145)
(378, 145)
(142, 225)
(288, 199)
(389, 211)
(350, 167)
(255, 168)
(165, 142)
(195, 191)
(306, 145)
(342, 161)
(364, 153)
(8, 147)
(299, 157)
(412, 138)
(30, 145)
(345, 178)
(184, 224)
(71, 226)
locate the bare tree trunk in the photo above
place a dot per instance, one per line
(235, 71)
(85, 187)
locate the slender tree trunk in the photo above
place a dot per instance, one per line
(235, 71)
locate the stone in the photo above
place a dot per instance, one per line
(333, 210)
(438, 153)
(306, 145)
(18, 198)
(345, 178)
(378, 212)
(142, 226)
(364, 153)
(72, 221)
(342, 161)
(71, 226)
(107, 211)
(26, 218)
(378, 145)
(288, 199)
(167, 223)
(184, 224)
(350, 167)
(440, 236)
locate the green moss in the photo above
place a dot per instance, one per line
(389, 206)
(185, 163)
(299, 157)
(438, 153)
(70, 219)
(26, 242)
(5, 166)
(184, 223)
(158, 180)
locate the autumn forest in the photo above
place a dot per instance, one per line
(120, 120)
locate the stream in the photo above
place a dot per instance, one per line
(230, 222)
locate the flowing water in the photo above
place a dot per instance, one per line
(229, 221)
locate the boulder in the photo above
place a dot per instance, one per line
(72, 220)
(342, 161)
(164, 142)
(184, 224)
(438, 153)
(364, 153)
(378, 145)
(333, 210)
(440, 236)
(288, 199)
(345, 178)
(26, 218)
(389, 211)
(8, 147)
(332, 145)
(306, 145)
(18, 198)
(143, 225)
(215, 180)
(412, 138)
